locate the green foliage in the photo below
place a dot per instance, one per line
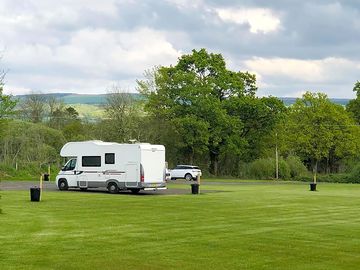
(199, 92)
(75, 131)
(326, 178)
(297, 168)
(123, 120)
(259, 117)
(7, 104)
(356, 89)
(24, 141)
(284, 169)
(33, 107)
(263, 168)
(317, 129)
(27, 171)
(353, 107)
(354, 176)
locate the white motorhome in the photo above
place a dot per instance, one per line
(94, 164)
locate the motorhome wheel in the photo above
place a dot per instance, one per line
(113, 188)
(63, 185)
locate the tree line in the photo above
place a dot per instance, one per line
(204, 114)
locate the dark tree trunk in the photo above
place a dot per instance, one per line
(214, 161)
(191, 158)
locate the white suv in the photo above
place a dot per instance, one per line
(187, 172)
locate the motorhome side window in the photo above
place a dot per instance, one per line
(91, 161)
(109, 158)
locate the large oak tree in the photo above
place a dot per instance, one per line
(207, 105)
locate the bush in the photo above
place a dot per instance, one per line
(265, 168)
(262, 168)
(297, 168)
(26, 171)
(284, 169)
(354, 176)
(326, 178)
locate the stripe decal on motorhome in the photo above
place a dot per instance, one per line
(103, 172)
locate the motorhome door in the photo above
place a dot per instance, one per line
(132, 175)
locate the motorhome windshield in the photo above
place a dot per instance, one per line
(70, 165)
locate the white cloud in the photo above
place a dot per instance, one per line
(328, 69)
(60, 83)
(90, 54)
(87, 45)
(259, 19)
(291, 77)
(293, 68)
(184, 4)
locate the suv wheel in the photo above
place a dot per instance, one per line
(188, 177)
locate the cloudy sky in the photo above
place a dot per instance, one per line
(86, 46)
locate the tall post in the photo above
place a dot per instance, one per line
(41, 185)
(198, 181)
(276, 157)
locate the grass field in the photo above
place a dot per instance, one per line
(239, 227)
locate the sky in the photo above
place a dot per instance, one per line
(88, 46)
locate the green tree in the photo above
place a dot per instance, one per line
(7, 103)
(59, 115)
(29, 142)
(259, 117)
(353, 107)
(33, 107)
(75, 131)
(71, 113)
(123, 115)
(56, 112)
(200, 97)
(318, 129)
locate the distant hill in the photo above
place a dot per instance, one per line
(71, 98)
(290, 100)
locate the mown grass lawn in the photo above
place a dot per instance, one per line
(241, 227)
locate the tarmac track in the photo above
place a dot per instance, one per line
(51, 186)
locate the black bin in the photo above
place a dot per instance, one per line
(312, 186)
(195, 188)
(35, 194)
(46, 177)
